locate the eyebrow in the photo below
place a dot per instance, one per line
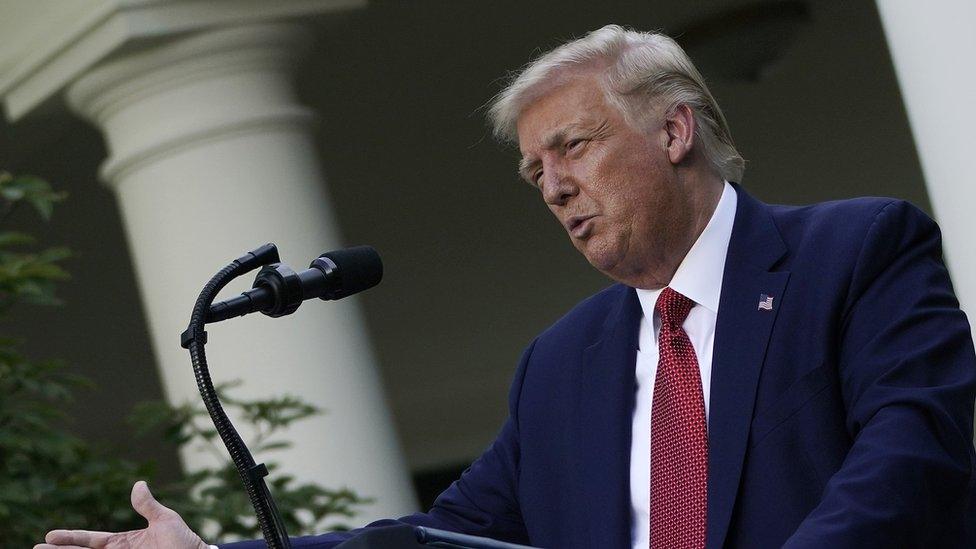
(525, 168)
(550, 142)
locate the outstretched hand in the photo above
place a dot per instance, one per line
(166, 530)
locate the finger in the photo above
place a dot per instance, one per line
(146, 505)
(83, 538)
(49, 546)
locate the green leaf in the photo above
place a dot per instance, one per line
(12, 194)
(14, 238)
(33, 190)
(51, 255)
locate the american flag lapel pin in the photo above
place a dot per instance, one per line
(765, 302)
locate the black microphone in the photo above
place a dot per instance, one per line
(278, 290)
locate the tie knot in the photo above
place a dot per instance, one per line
(673, 308)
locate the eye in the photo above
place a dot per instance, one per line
(574, 144)
(537, 178)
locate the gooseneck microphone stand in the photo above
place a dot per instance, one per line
(194, 339)
(278, 291)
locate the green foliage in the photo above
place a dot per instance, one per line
(30, 189)
(49, 478)
(214, 495)
(46, 475)
(27, 276)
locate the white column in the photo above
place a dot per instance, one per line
(934, 51)
(211, 155)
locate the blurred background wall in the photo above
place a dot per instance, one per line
(475, 267)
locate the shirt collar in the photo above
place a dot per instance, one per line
(699, 276)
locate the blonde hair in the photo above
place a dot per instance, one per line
(642, 71)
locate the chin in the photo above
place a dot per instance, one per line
(603, 262)
(605, 257)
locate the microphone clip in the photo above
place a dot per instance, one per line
(285, 286)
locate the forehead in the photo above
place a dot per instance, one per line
(579, 102)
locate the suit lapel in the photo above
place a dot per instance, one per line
(604, 408)
(742, 334)
(603, 418)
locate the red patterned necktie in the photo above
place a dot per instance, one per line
(679, 437)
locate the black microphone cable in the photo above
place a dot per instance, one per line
(194, 339)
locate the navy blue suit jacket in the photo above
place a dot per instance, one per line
(843, 417)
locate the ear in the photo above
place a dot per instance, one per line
(680, 128)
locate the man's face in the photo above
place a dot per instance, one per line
(610, 185)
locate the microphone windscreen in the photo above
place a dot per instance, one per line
(359, 268)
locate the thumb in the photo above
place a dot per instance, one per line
(146, 505)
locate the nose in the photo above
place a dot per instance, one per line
(558, 186)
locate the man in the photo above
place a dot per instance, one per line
(760, 375)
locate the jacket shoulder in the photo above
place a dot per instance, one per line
(840, 226)
(588, 317)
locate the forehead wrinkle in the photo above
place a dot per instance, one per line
(556, 138)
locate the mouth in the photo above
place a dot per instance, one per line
(580, 226)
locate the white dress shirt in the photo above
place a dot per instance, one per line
(699, 278)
